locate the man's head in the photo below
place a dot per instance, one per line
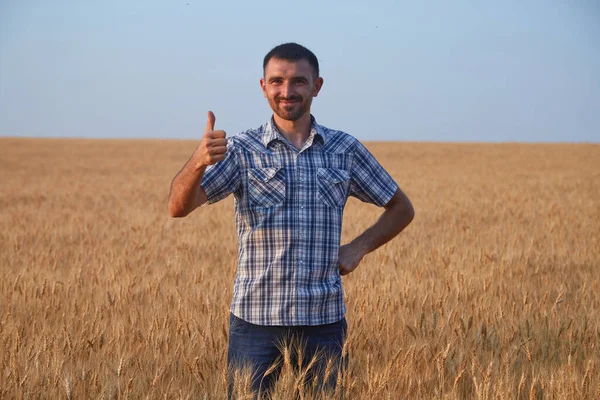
(292, 52)
(290, 81)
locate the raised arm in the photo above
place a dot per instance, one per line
(186, 192)
(398, 214)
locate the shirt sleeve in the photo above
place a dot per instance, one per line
(223, 178)
(369, 181)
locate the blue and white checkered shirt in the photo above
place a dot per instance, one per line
(288, 208)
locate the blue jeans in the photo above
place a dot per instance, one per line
(259, 347)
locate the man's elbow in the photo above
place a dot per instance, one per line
(408, 212)
(176, 211)
(403, 208)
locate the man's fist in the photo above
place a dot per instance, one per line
(213, 146)
(350, 255)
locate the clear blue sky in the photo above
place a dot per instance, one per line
(454, 71)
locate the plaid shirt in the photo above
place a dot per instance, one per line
(288, 208)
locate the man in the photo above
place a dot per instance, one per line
(291, 179)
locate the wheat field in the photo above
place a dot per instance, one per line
(493, 292)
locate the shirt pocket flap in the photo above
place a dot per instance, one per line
(333, 175)
(263, 174)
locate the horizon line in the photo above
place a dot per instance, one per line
(178, 139)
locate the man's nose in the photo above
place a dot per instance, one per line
(286, 90)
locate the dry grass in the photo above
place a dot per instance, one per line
(492, 292)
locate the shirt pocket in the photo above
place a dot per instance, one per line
(333, 186)
(266, 186)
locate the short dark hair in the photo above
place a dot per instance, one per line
(292, 52)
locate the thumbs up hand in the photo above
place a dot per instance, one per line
(213, 145)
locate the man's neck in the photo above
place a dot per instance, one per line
(296, 132)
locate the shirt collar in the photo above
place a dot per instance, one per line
(271, 133)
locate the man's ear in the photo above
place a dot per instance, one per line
(317, 86)
(263, 86)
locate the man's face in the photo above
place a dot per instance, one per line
(290, 86)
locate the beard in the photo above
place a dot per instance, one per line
(290, 112)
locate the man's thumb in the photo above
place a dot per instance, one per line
(210, 125)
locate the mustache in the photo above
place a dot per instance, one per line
(292, 98)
